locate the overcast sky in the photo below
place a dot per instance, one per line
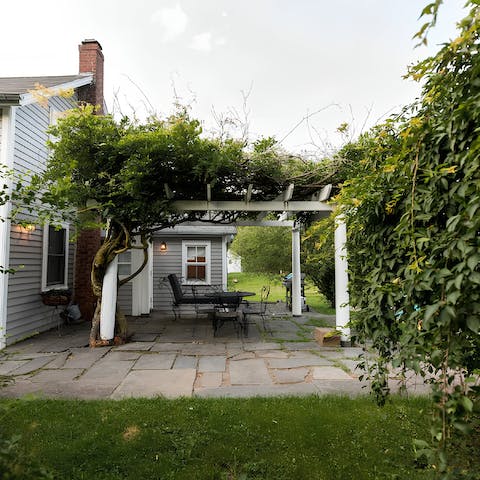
(295, 57)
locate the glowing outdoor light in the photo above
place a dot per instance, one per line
(163, 247)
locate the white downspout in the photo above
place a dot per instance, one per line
(109, 301)
(296, 273)
(342, 308)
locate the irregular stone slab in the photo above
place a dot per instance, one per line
(153, 383)
(330, 373)
(249, 372)
(340, 387)
(299, 389)
(183, 361)
(210, 379)
(252, 347)
(145, 337)
(32, 365)
(204, 349)
(56, 376)
(167, 347)
(352, 366)
(27, 356)
(215, 363)
(84, 358)
(81, 389)
(107, 373)
(293, 375)
(297, 362)
(114, 356)
(273, 354)
(59, 360)
(243, 356)
(8, 366)
(301, 346)
(155, 361)
(288, 336)
(136, 346)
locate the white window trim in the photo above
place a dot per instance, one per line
(45, 259)
(197, 243)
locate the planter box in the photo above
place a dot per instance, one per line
(55, 298)
(324, 337)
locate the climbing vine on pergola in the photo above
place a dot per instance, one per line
(129, 178)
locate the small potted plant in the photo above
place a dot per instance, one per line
(56, 297)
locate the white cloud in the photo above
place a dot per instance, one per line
(202, 42)
(173, 22)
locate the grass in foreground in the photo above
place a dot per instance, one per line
(253, 282)
(277, 438)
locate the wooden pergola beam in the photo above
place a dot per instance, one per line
(260, 206)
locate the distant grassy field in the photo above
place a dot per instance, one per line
(253, 282)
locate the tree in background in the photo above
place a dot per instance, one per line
(264, 249)
(319, 258)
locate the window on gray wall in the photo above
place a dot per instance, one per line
(55, 261)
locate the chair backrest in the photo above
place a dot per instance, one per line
(176, 287)
(264, 293)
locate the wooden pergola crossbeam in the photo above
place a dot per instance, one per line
(260, 206)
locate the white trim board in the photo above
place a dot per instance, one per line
(6, 158)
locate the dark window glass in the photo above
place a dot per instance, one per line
(56, 256)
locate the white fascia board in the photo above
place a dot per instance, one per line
(28, 98)
(203, 230)
(265, 223)
(260, 206)
(6, 158)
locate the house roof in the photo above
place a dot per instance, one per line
(15, 90)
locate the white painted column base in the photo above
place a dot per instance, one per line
(109, 301)
(342, 307)
(296, 274)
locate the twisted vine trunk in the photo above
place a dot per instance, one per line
(117, 240)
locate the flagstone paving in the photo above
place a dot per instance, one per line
(182, 358)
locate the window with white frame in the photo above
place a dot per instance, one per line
(55, 257)
(125, 264)
(196, 261)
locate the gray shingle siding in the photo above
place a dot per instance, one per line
(26, 314)
(171, 262)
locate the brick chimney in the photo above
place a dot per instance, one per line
(88, 241)
(91, 61)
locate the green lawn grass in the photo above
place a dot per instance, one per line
(253, 282)
(259, 438)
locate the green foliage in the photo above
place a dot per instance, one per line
(413, 215)
(264, 249)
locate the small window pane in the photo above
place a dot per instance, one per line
(56, 256)
(124, 269)
(196, 272)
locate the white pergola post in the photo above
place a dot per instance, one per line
(109, 301)
(296, 273)
(342, 308)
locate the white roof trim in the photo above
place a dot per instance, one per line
(28, 98)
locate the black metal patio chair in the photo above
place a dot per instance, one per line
(259, 309)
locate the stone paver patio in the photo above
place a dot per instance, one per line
(182, 358)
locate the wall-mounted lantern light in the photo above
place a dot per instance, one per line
(163, 247)
(27, 228)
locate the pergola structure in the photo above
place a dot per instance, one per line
(282, 204)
